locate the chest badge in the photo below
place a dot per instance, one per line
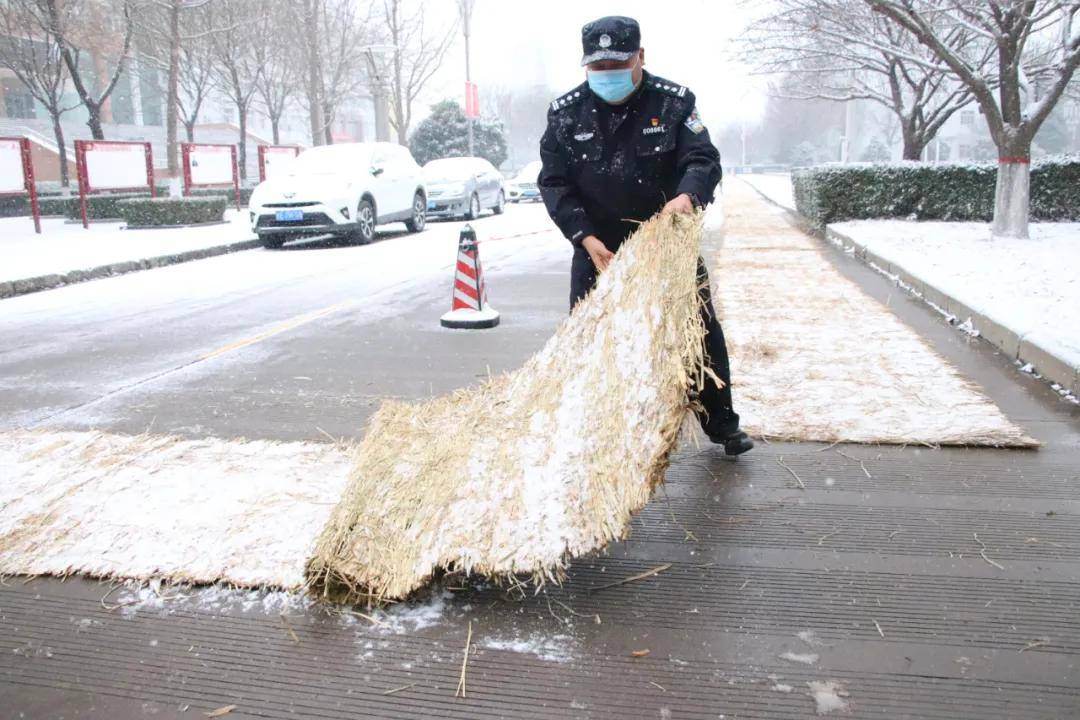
(655, 128)
(655, 122)
(582, 137)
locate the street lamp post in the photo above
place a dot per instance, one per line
(378, 91)
(466, 7)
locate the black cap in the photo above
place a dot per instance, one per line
(610, 38)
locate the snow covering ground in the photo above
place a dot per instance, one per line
(775, 186)
(1030, 286)
(64, 246)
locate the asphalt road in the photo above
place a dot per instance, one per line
(278, 344)
(865, 589)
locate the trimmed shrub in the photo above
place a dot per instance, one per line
(58, 206)
(923, 191)
(165, 212)
(17, 206)
(227, 193)
(100, 207)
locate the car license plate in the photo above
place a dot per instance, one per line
(289, 215)
(431, 205)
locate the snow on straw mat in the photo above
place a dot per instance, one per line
(539, 465)
(814, 358)
(145, 506)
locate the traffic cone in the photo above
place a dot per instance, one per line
(469, 308)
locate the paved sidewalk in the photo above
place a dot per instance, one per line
(66, 253)
(900, 583)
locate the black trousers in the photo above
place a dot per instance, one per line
(719, 418)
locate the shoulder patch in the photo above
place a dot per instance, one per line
(667, 86)
(570, 98)
(693, 122)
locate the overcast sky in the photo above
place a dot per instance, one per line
(519, 43)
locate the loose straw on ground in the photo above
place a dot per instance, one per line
(460, 692)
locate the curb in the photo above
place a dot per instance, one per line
(1014, 345)
(25, 286)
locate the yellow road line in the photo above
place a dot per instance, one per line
(289, 324)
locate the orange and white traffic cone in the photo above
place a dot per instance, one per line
(469, 307)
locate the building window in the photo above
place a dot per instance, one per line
(967, 118)
(18, 102)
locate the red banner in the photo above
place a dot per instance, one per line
(472, 100)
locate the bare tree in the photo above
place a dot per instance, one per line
(333, 58)
(99, 31)
(418, 53)
(1037, 48)
(308, 13)
(345, 31)
(195, 75)
(236, 48)
(841, 50)
(174, 38)
(32, 54)
(280, 62)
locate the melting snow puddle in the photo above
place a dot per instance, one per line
(803, 658)
(555, 648)
(154, 596)
(412, 616)
(828, 696)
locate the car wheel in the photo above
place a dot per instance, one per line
(419, 217)
(272, 242)
(365, 224)
(500, 204)
(474, 208)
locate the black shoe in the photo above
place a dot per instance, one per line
(736, 443)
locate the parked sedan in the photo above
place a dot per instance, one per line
(523, 186)
(345, 190)
(463, 187)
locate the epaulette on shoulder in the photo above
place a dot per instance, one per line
(570, 98)
(659, 83)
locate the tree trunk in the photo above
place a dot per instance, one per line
(328, 132)
(189, 128)
(913, 148)
(274, 122)
(241, 157)
(61, 151)
(172, 103)
(314, 72)
(1012, 196)
(94, 120)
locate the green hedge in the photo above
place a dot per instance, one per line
(245, 194)
(19, 206)
(101, 207)
(923, 191)
(165, 211)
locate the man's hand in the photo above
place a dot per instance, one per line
(599, 253)
(679, 204)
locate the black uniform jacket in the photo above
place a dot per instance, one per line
(607, 165)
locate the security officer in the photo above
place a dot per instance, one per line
(618, 148)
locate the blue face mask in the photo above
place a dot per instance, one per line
(611, 85)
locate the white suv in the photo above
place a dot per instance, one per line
(345, 190)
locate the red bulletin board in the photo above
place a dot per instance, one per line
(267, 153)
(209, 165)
(17, 174)
(112, 166)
